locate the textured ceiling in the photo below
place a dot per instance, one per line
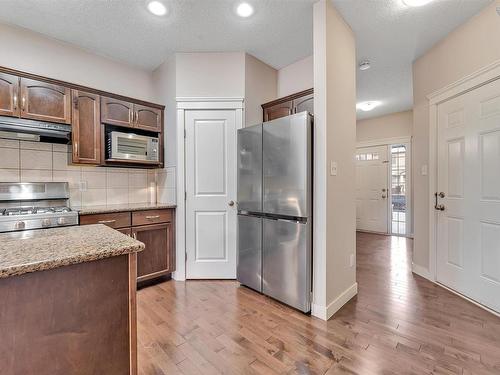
(388, 33)
(392, 35)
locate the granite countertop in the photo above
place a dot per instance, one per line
(89, 210)
(44, 249)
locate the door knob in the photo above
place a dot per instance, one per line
(231, 203)
(384, 196)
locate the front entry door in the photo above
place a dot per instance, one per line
(468, 229)
(210, 194)
(371, 189)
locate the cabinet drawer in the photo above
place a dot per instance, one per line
(113, 220)
(151, 217)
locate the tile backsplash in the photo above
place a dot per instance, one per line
(22, 161)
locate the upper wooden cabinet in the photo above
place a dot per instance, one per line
(86, 134)
(116, 112)
(9, 95)
(295, 103)
(122, 113)
(147, 118)
(45, 101)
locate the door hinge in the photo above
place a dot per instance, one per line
(185, 195)
(184, 133)
(186, 258)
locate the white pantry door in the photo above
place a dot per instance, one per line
(468, 232)
(210, 194)
(371, 189)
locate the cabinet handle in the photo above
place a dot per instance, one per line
(130, 116)
(106, 221)
(153, 217)
(23, 101)
(76, 148)
(15, 101)
(134, 235)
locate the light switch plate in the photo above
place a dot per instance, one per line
(424, 170)
(333, 168)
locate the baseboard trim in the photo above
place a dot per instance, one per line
(178, 277)
(325, 313)
(422, 271)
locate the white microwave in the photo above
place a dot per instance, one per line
(130, 146)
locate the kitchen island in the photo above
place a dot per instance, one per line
(68, 301)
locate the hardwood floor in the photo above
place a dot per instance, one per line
(398, 324)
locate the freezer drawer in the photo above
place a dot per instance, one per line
(250, 169)
(287, 154)
(287, 262)
(249, 270)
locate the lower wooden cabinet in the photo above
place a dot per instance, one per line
(155, 260)
(154, 228)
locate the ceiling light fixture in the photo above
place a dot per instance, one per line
(364, 65)
(367, 106)
(416, 3)
(157, 8)
(244, 10)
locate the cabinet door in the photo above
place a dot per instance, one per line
(157, 258)
(45, 101)
(278, 110)
(116, 112)
(9, 95)
(304, 103)
(147, 118)
(86, 128)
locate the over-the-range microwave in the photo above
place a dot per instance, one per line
(130, 146)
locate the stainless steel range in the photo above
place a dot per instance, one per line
(35, 205)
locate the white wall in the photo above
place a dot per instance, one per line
(334, 281)
(394, 125)
(296, 77)
(261, 81)
(210, 74)
(472, 46)
(34, 53)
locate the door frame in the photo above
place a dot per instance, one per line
(388, 142)
(186, 104)
(481, 77)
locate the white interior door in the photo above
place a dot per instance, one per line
(371, 189)
(468, 233)
(210, 194)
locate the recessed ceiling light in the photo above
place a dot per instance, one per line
(244, 10)
(157, 8)
(367, 106)
(364, 65)
(416, 3)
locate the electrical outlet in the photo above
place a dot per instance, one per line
(82, 186)
(334, 169)
(351, 260)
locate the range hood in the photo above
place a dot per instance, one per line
(31, 130)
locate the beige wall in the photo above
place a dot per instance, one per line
(394, 125)
(208, 74)
(335, 140)
(296, 77)
(261, 81)
(470, 47)
(31, 52)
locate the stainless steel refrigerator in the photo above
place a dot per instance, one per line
(275, 209)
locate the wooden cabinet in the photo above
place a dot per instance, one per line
(45, 101)
(147, 118)
(130, 115)
(9, 95)
(156, 259)
(116, 112)
(299, 102)
(86, 128)
(155, 228)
